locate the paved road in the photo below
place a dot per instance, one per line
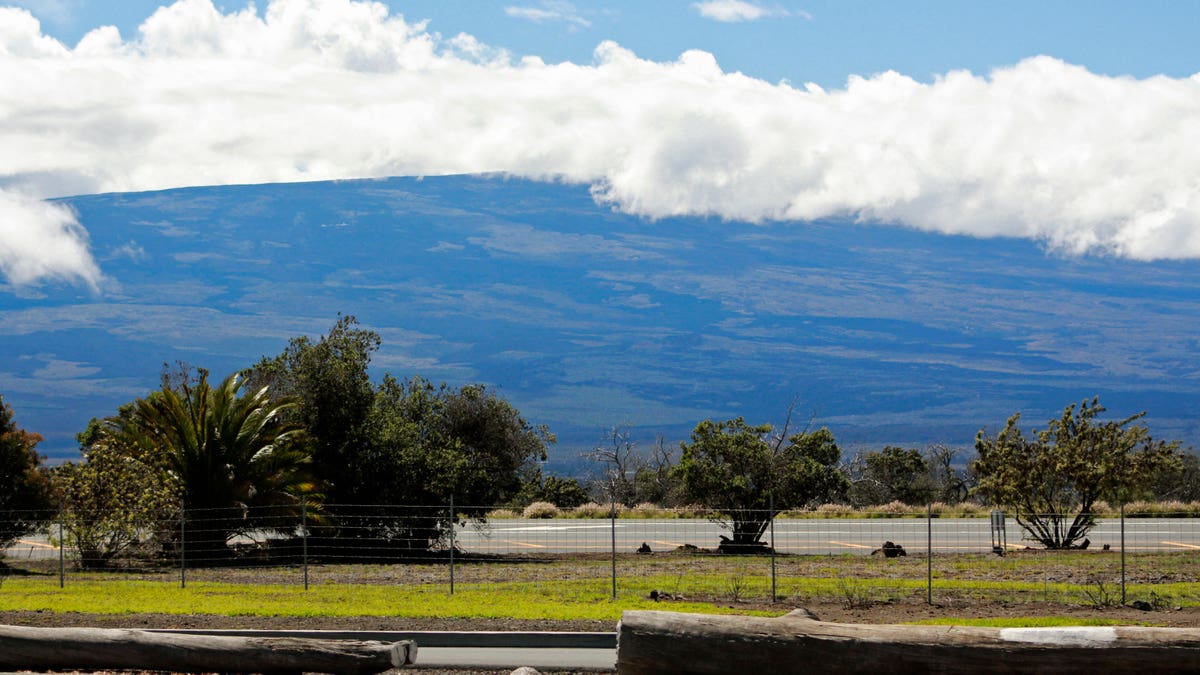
(808, 536)
(510, 659)
(35, 547)
(493, 650)
(824, 537)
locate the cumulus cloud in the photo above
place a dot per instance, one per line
(43, 241)
(326, 89)
(55, 11)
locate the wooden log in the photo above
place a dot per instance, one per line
(659, 642)
(83, 648)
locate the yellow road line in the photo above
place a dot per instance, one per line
(37, 544)
(524, 543)
(1181, 545)
(667, 543)
(842, 543)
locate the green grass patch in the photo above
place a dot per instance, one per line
(580, 587)
(560, 600)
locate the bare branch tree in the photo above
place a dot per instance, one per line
(621, 462)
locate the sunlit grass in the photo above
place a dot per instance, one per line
(580, 588)
(580, 599)
(564, 600)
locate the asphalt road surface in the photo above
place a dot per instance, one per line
(840, 536)
(823, 537)
(511, 659)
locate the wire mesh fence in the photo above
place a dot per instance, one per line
(858, 557)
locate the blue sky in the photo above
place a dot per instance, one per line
(818, 41)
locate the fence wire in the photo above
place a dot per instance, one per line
(859, 558)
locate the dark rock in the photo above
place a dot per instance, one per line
(890, 550)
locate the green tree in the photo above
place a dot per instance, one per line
(26, 495)
(749, 476)
(1176, 481)
(228, 451)
(393, 454)
(563, 492)
(496, 448)
(334, 397)
(115, 502)
(891, 474)
(427, 443)
(1054, 480)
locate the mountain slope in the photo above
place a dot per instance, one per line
(586, 318)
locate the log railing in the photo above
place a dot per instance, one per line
(86, 648)
(659, 642)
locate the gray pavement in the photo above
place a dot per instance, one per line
(511, 659)
(821, 537)
(475, 649)
(824, 537)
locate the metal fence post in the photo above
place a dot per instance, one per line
(304, 538)
(771, 499)
(929, 554)
(183, 545)
(452, 519)
(612, 516)
(1122, 553)
(62, 545)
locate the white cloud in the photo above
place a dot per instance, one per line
(326, 89)
(56, 11)
(21, 35)
(58, 369)
(43, 241)
(129, 250)
(549, 11)
(738, 11)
